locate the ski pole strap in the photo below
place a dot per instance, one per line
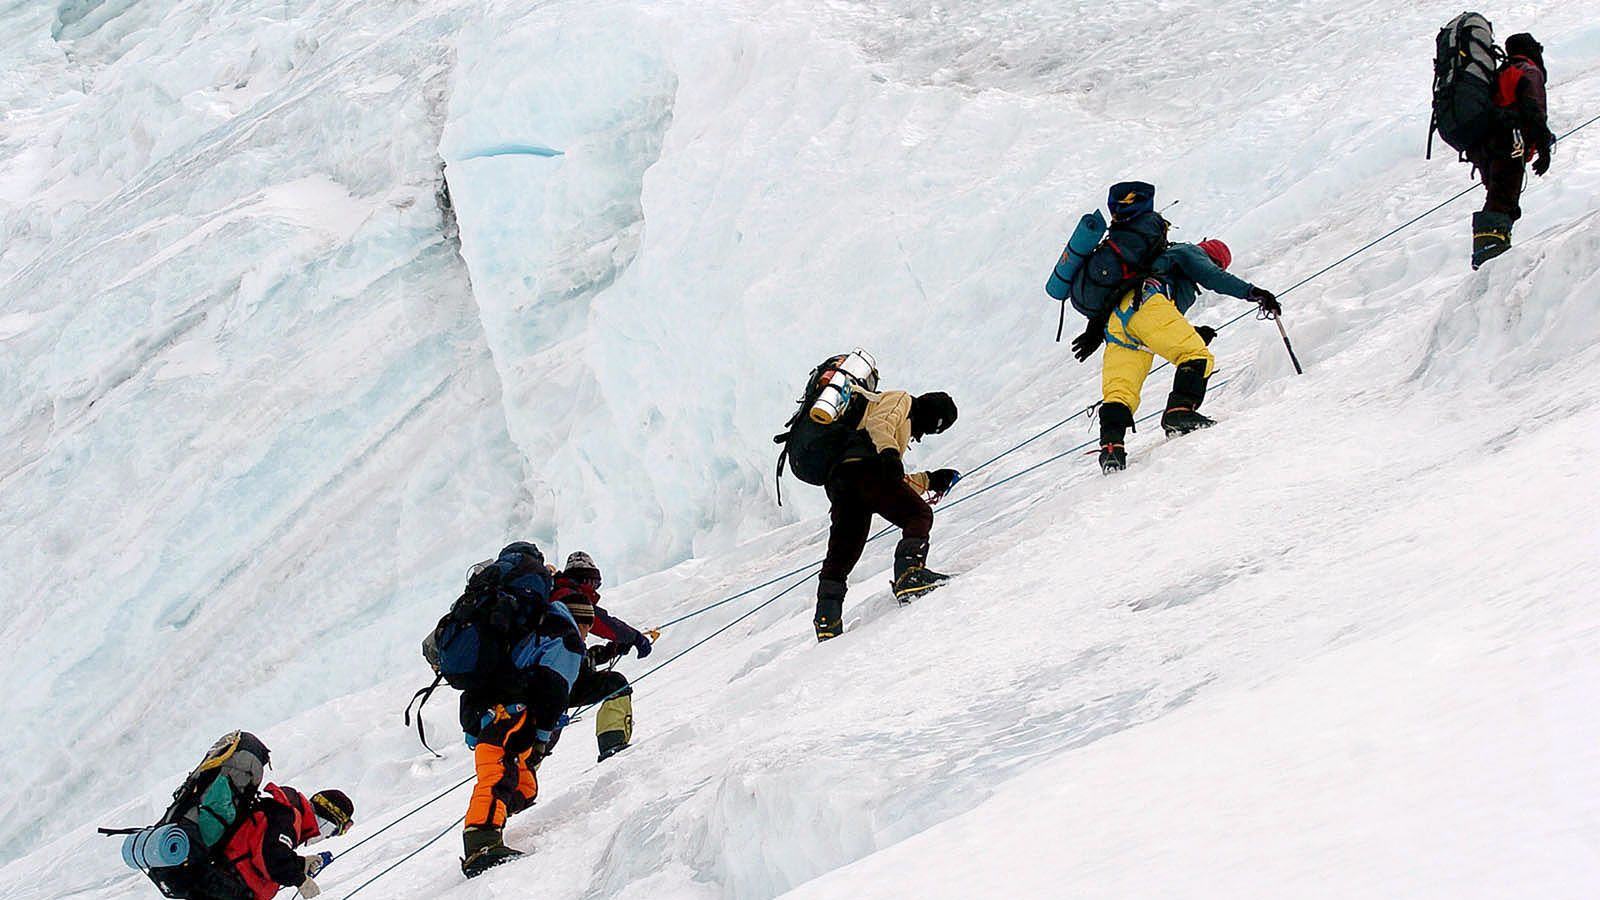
(423, 696)
(777, 478)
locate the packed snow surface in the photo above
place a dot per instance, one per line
(305, 307)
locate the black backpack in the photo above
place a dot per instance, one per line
(813, 449)
(470, 648)
(216, 797)
(1465, 64)
(1123, 258)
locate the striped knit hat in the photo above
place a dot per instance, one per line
(580, 607)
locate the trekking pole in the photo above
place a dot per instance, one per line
(1289, 347)
(1063, 323)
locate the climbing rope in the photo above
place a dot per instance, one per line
(806, 570)
(429, 802)
(402, 860)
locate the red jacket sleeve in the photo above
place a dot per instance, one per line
(610, 628)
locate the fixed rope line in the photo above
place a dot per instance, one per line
(1364, 248)
(986, 488)
(432, 800)
(667, 662)
(743, 593)
(397, 863)
(1045, 462)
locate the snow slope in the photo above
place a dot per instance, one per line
(1340, 646)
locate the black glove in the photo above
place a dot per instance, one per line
(1268, 303)
(537, 753)
(1542, 164)
(940, 480)
(601, 654)
(1207, 333)
(1084, 345)
(893, 466)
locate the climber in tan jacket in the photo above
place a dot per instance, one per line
(870, 478)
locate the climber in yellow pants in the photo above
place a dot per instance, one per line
(1146, 324)
(1149, 321)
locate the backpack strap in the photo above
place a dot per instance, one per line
(783, 457)
(423, 695)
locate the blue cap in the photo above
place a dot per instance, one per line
(1128, 199)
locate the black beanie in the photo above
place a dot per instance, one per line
(335, 806)
(932, 413)
(1523, 44)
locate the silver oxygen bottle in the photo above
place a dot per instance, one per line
(856, 368)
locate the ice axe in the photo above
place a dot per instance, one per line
(1288, 346)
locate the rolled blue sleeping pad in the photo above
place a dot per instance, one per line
(1084, 239)
(156, 846)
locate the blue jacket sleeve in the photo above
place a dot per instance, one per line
(1194, 263)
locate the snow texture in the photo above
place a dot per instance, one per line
(305, 307)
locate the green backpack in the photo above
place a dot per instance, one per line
(218, 795)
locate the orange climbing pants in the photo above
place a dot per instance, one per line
(506, 783)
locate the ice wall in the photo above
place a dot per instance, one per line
(263, 411)
(252, 420)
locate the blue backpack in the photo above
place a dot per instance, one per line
(1124, 258)
(1125, 254)
(470, 648)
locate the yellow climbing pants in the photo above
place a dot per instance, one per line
(1138, 329)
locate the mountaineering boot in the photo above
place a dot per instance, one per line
(1113, 458)
(829, 621)
(611, 743)
(485, 848)
(916, 580)
(1491, 236)
(1188, 392)
(911, 576)
(1115, 420)
(1178, 420)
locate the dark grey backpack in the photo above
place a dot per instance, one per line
(1465, 63)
